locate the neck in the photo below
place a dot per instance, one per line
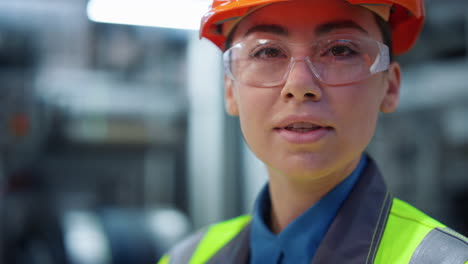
(290, 197)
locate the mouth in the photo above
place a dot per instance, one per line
(301, 132)
(302, 127)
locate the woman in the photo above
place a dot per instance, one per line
(307, 79)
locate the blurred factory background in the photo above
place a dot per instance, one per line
(114, 143)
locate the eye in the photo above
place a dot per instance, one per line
(341, 51)
(268, 53)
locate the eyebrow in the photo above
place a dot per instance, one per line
(268, 28)
(321, 29)
(335, 25)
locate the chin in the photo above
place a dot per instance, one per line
(304, 167)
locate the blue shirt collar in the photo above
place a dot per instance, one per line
(298, 242)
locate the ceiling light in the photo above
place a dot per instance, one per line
(180, 14)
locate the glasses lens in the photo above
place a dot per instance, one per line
(259, 63)
(334, 60)
(346, 59)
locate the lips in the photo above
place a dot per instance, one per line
(303, 129)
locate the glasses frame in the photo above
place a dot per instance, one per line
(381, 63)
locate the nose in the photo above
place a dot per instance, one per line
(301, 83)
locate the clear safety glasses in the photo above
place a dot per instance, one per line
(334, 60)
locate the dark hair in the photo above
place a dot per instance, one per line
(384, 27)
(386, 31)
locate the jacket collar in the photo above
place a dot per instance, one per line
(354, 235)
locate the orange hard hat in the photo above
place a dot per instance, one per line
(406, 19)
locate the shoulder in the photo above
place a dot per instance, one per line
(411, 236)
(206, 242)
(406, 214)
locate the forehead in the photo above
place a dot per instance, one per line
(306, 19)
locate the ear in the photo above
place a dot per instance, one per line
(392, 94)
(230, 97)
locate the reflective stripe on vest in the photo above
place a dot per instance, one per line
(434, 248)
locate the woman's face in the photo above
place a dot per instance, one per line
(305, 129)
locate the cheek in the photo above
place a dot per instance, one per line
(247, 113)
(357, 108)
(255, 112)
(254, 103)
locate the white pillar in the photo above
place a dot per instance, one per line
(205, 132)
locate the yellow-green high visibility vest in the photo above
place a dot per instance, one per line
(370, 227)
